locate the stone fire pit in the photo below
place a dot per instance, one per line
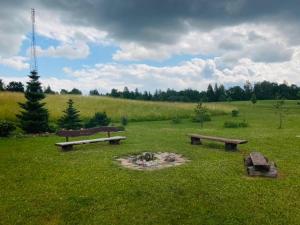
(152, 161)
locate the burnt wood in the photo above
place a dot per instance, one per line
(230, 144)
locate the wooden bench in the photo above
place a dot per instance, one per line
(87, 132)
(230, 144)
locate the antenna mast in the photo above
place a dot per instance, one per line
(33, 65)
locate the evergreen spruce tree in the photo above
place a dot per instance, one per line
(34, 116)
(70, 120)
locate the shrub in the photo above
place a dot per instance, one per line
(235, 124)
(124, 120)
(6, 128)
(201, 114)
(99, 119)
(176, 120)
(53, 127)
(235, 113)
(243, 124)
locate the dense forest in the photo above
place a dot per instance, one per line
(215, 93)
(261, 91)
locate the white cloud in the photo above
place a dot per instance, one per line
(195, 73)
(57, 29)
(15, 62)
(260, 43)
(77, 50)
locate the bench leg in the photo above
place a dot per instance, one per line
(195, 141)
(67, 148)
(114, 142)
(230, 147)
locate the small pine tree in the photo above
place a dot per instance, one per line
(34, 117)
(70, 120)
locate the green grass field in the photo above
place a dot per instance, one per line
(115, 108)
(41, 185)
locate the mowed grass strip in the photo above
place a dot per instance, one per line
(115, 108)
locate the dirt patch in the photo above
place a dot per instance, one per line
(152, 161)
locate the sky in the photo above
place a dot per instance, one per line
(151, 44)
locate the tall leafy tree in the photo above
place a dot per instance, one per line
(210, 93)
(70, 120)
(94, 92)
(15, 86)
(248, 90)
(221, 93)
(75, 91)
(2, 86)
(48, 90)
(34, 116)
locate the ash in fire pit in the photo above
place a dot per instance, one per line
(151, 161)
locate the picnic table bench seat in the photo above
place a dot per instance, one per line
(68, 145)
(230, 144)
(259, 165)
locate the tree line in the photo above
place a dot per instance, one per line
(16, 86)
(218, 93)
(215, 93)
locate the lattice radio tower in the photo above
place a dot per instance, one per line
(33, 64)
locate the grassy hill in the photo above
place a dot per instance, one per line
(115, 108)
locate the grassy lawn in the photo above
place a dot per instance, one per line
(41, 185)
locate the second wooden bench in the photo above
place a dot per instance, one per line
(230, 144)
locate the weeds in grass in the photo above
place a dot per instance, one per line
(235, 124)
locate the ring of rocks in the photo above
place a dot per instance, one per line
(152, 161)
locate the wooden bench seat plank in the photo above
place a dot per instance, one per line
(258, 159)
(115, 138)
(220, 139)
